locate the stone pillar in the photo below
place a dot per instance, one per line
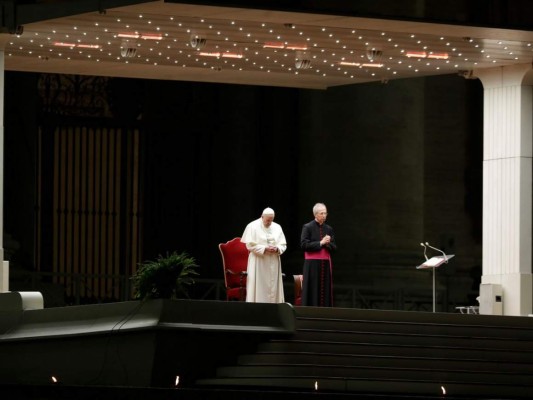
(507, 184)
(4, 265)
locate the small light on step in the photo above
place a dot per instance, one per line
(177, 381)
(316, 385)
(443, 390)
(54, 379)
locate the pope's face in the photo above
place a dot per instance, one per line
(267, 220)
(321, 215)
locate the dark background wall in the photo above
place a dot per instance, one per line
(396, 164)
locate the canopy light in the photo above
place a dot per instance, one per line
(79, 45)
(423, 54)
(146, 36)
(281, 45)
(356, 64)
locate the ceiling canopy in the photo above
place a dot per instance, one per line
(175, 41)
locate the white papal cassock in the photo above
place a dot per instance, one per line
(264, 282)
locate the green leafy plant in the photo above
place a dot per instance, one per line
(166, 277)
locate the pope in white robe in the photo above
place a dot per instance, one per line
(265, 242)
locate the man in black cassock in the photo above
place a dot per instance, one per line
(318, 242)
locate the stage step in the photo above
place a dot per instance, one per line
(392, 352)
(396, 350)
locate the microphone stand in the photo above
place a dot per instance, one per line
(439, 250)
(425, 248)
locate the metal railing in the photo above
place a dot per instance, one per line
(60, 289)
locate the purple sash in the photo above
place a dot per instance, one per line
(323, 254)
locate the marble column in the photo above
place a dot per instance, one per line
(4, 265)
(507, 184)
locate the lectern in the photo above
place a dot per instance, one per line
(433, 263)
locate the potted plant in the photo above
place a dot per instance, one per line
(165, 277)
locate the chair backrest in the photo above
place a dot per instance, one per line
(235, 262)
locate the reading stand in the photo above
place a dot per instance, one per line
(433, 263)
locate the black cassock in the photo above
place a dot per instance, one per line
(317, 280)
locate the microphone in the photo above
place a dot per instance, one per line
(424, 246)
(439, 250)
